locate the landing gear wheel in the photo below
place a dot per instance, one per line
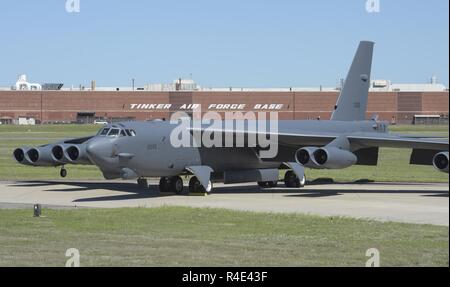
(176, 184)
(196, 187)
(142, 183)
(272, 183)
(63, 172)
(164, 185)
(291, 179)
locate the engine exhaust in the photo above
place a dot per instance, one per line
(73, 154)
(20, 155)
(305, 157)
(440, 161)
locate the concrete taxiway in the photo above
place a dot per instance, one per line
(400, 202)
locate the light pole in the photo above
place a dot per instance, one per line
(41, 111)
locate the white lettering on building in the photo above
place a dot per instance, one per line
(150, 106)
(226, 107)
(216, 107)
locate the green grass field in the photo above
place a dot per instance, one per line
(393, 163)
(179, 236)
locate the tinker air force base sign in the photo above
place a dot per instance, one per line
(214, 107)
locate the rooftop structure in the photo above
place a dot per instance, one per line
(191, 85)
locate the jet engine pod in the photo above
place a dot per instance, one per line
(20, 155)
(42, 156)
(76, 154)
(334, 158)
(58, 153)
(440, 161)
(304, 156)
(33, 155)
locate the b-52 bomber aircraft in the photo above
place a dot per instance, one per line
(138, 150)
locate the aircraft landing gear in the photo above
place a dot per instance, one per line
(176, 184)
(291, 180)
(142, 183)
(164, 185)
(171, 184)
(196, 187)
(63, 172)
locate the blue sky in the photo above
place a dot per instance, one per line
(239, 43)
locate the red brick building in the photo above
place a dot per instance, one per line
(85, 106)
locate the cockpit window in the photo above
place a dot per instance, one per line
(113, 132)
(103, 132)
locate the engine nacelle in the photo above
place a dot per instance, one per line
(334, 158)
(304, 156)
(76, 154)
(58, 153)
(42, 156)
(20, 155)
(70, 154)
(440, 161)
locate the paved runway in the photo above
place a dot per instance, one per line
(400, 202)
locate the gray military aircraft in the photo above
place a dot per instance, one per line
(137, 150)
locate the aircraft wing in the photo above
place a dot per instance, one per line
(361, 140)
(284, 138)
(397, 141)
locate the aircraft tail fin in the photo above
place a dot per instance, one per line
(352, 102)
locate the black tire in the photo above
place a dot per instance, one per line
(272, 184)
(63, 172)
(196, 187)
(176, 184)
(291, 180)
(287, 178)
(163, 185)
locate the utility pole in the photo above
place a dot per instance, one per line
(41, 109)
(132, 83)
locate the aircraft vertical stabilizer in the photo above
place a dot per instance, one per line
(352, 102)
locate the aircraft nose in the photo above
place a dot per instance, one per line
(99, 149)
